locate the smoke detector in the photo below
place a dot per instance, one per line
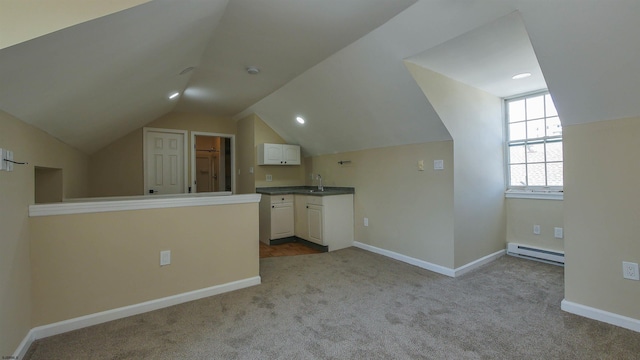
(252, 70)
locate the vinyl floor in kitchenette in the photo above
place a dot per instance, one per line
(287, 249)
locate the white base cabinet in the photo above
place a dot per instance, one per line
(325, 220)
(276, 217)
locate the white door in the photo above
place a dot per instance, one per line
(165, 162)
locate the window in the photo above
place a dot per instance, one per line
(534, 142)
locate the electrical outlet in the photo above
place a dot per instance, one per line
(269, 177)
(366, 221)
(536, 229)
(558, 232)
(438, 164)
(630, 270)
(165, 257)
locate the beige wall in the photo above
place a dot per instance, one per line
(474, 119)
(253, 131)
(24, 20)
(522, 214)
(410, 212)
(602, 212)
(281, 175)
(117, 169)
(245, 158)
(40, 150)
(83, 264)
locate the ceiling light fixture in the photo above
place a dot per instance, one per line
(174, 95)
(521, 76)
(252, 70)
(300, 120)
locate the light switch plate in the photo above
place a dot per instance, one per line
(420, 165)
(536, 229)
(438, 164)
(165, 257)
(558, 233)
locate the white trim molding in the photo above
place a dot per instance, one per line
(430, 266)
(192, 146)
(601, 315)
(95, 205)
(126, 311)
(530, 194)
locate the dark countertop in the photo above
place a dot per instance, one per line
(305, 190)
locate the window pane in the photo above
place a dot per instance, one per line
(554, 174)
(535, 175)
(516, 111)
(516, 154)
(517, 131)
(551, 108)
(535, 129)
(535, 153)
(535, 107)
(518, 175)
(554, 128)
(554, 151)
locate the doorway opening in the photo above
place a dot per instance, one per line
(212, 162)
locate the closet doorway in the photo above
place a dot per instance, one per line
(212, 162)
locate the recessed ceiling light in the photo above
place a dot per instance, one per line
(300, 120)
(174, 95)
(521, 76)
(252, 70)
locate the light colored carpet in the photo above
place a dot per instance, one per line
(352, 304)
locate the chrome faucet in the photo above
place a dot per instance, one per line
(320, 187)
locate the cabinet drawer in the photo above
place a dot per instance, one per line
(281, 199)
(314, 200)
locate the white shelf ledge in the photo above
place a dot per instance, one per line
(94, 205)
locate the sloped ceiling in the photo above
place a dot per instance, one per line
(338, 63)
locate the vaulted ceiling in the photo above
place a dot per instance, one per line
(90, 78)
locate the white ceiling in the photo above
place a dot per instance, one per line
(338, 63)
(488, 57)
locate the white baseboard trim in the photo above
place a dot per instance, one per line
(479, 262)
(122, 312)
(430, 266)
(601, 315)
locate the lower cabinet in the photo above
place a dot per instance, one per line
(325, 220)
(276, 217)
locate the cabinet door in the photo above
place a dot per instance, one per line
(272, 154)
(291, 154)
(281, 220)
(315, 224)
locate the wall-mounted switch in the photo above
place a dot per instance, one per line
(557, 232)
(165, 257)
(366, 221)
(251, 170)
(420, 165)
(438, 164)
(269, 177)
(536, 229)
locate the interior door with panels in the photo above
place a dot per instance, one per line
(164, 154)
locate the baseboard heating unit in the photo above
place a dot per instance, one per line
(534, 253)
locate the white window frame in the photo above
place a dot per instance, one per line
(529, 192)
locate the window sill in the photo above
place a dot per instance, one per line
(530, 194)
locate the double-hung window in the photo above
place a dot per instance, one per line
(534, 142)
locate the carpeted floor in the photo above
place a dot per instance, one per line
(352, 304)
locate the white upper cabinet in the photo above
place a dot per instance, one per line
(278, 154)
